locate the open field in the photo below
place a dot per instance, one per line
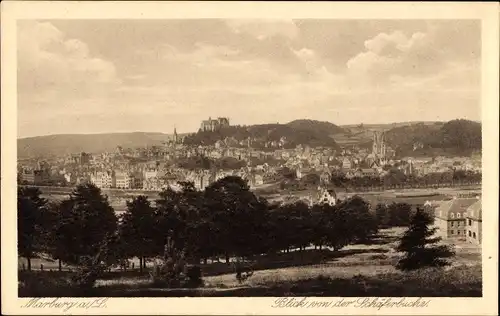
(356, 270)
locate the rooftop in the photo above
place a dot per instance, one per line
(475, 211)
(454, 209)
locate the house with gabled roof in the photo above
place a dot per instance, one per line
(327, 196)
(450, 217)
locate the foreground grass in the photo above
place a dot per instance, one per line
(462, 281)
(356, 270)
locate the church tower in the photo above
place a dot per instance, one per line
(176, 138)
(379, 147)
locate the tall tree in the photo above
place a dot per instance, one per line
(169, 220)
(54, 245)
(180, 216)
(86, 221)
(30, 207)
(292, 225)
(320, 224)
(337, 230)
(136, 229)
(420, 247)
(360, 222)
(238, 215)
(197, 229)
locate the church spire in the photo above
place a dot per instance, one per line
(175, 135)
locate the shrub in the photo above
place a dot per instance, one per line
(194, 276)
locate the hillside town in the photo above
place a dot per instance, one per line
(157, 167)
(228, 157)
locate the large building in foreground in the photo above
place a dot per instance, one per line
(474, 223)
(213, 125)
(451, 216)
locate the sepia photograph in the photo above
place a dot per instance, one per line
(250, 157)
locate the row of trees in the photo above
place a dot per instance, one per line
(226, 220)
(203, 162)
(396, 178)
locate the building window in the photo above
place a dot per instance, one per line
(470, 234)
(474, 235)
(458, 232)
(458, 215)
(452, 232)
(452, 215)
(465, 215)
(470, 222)
(452, 224)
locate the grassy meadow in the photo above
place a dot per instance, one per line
(356, 270)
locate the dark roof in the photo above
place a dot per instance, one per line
(475, 211)
(332, 192)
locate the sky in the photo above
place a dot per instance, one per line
(97, 76)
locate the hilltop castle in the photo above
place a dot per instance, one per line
(213, 125)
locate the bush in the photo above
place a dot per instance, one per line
(194, 276)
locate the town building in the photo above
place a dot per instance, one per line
(325, 178)
(258, 179)
(474, 223)
(450, 218)
(70, 178)
(346, 163)
(104, 179)
(124, 180)
(85, 158)
(327, 196)
(36, 177)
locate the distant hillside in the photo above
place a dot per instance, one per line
(361, 135)
(318, 127)
(60, 145)
(359, 127)
(402, 136)
(457, 137)
(259, 135)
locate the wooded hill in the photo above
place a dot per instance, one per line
(299, 132)
(456, 137)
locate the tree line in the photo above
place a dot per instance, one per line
(225, 220)
(397, 179)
